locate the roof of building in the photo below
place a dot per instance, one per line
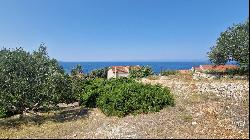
(124, 69)
(184, 71)
(120, 69)
(135, 67)
(218, 68)
(197, 68)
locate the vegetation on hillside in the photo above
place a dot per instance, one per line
(34, 81)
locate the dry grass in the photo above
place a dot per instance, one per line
(153, 77)
(187, 117)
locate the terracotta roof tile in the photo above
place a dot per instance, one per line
(124, 69)
(197, 68)
(120, 69)
(218, 68)
(184, 71)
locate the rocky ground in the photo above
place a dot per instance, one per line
(204, 109)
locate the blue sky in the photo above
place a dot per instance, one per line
(119, 30)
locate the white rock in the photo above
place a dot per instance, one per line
(194, 123)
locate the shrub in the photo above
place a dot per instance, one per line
(169, 72)
(231, 71)
(77, 71)
(76, 84)
(142, 72)
(244, 69)
(91, 91)
(76, 79)
(123, 96)
(2, 112)
(213, 72)
(99, 73)
(31, 80)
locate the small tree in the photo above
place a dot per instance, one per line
(31, 80)
(99, 73)
(77, 71)
(232, 45)
(141, 72)
(77, 79)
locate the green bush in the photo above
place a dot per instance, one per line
(243, 70)
(169, 72)
(2, 112)
(123, 96)
(142, 72)
(99, 73)
(77, 79)
(76, 87)
(213, 72)
(231, 71)
(29, 81)
(91, 91)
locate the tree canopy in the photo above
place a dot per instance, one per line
(232, 45)
(31, 81)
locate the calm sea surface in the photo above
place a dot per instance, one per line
(156, 66)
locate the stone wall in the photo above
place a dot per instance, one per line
(233, 90)
(200, 75)
(228, 88)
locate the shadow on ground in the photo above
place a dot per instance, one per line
(63, 115)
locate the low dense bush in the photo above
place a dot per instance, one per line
(141, 72)
(231, 72)
(213, 72)
(29, 81)
(169, 72)
(99, 73)
(123, 96)
(92, 89)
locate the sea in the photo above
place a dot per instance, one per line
(156, 66)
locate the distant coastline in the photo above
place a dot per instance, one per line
(156, 66)
(133, 61)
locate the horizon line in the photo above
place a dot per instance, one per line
(142, 61)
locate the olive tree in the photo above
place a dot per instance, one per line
(77, 78)
(232, 45)
(31, 80)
